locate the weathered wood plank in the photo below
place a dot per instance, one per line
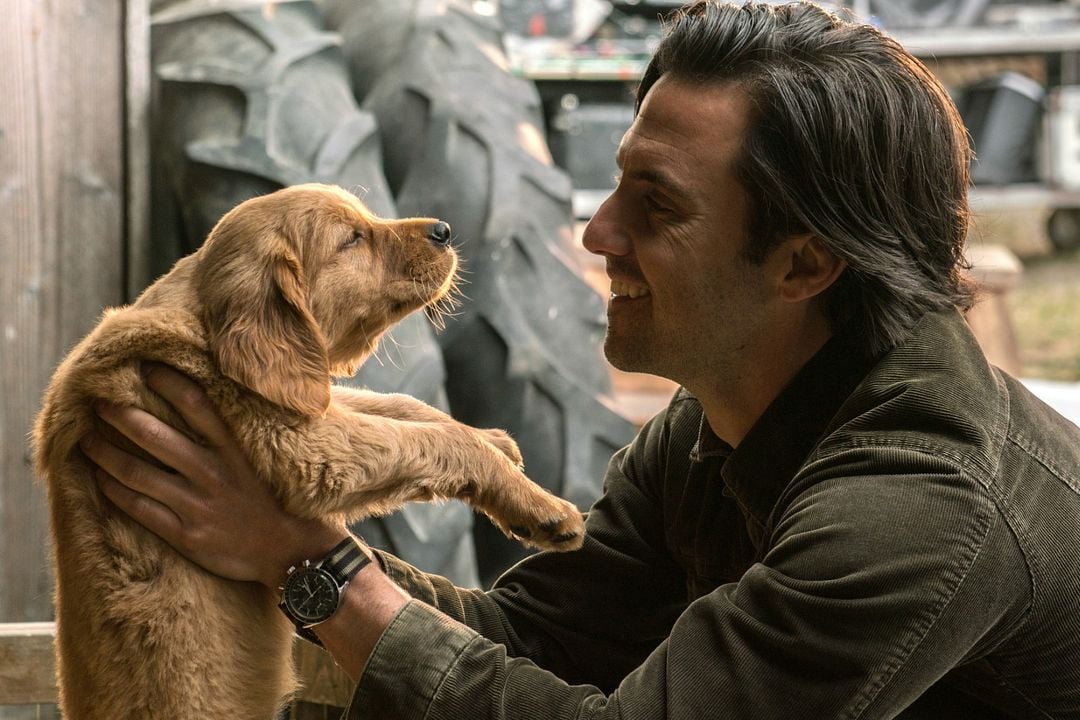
(27, 668)
(61, 239)
(30, 712)
(26, 664)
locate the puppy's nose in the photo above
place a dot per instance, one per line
(439, 233)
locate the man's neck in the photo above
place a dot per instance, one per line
(733, 405)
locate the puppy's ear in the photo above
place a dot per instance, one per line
(259, 327)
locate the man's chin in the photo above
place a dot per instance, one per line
(626, 357)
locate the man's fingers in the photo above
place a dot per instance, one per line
(190, 401)
(160, 439)
(139, 476)
(154, 516)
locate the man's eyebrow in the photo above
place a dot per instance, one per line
(662, 180)
(654, 176)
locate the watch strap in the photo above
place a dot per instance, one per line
(345, 560)
(307, 634)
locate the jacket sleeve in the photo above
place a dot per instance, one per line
(873, 588)
(591, 615)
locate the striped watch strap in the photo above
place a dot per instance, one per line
(345, 560)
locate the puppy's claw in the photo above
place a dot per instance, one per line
(521, 531)
(564, 537)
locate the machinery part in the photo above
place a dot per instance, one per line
(1063, 228)
(894, 14)
(251, 97)
(462, 141)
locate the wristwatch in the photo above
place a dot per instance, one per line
(312, 591)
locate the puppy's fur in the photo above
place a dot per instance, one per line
(289, 289)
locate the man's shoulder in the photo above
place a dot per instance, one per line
(938, 393)
(934, 393)
(934, 407)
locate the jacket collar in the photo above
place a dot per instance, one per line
(777, 445)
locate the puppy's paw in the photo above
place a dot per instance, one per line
(505, 444)
(558, 525)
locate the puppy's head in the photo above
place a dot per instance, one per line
(299, 285)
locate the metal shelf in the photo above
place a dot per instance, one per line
(1025, 195)
(953, 42)
(960, 42)
(615, 69)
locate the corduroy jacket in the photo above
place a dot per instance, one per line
(895, 536)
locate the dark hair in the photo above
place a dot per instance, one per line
(852, 139)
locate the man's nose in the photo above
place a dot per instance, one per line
(604, 234)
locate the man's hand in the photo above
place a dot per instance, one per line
(214, 509)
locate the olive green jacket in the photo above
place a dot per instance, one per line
(897, 532)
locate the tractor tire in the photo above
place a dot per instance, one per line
(250, 97)
(462, 140)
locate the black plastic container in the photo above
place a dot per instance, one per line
(1004, 115)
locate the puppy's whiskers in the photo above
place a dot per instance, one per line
(371, 347)
(398, 365)
(447, 306)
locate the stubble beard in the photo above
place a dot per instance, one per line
(630, 350)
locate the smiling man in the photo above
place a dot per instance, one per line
(843, 512)
(675, 236)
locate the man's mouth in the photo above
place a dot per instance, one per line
(628, 290)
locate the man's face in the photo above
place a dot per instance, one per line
(686, 304)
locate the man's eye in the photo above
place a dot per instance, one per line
(654, 206)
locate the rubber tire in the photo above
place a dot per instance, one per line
(253, 97)
(462, 140)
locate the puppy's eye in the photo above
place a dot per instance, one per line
(353, 240)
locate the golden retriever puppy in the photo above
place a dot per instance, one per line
(289, 289)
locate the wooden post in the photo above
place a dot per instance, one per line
(62, 128)
(996, 271)
(140, 241)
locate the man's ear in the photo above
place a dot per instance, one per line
(805, 267)
(259, 327)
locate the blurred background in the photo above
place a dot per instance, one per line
(128, 128)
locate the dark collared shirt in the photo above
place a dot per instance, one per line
(889, 534)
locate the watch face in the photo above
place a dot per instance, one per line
(311, 595)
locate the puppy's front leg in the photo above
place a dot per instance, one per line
(406, 407)
(361, 465)
(391, 405)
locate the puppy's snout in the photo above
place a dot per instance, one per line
(439, 233)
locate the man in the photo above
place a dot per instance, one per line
(844, 512)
